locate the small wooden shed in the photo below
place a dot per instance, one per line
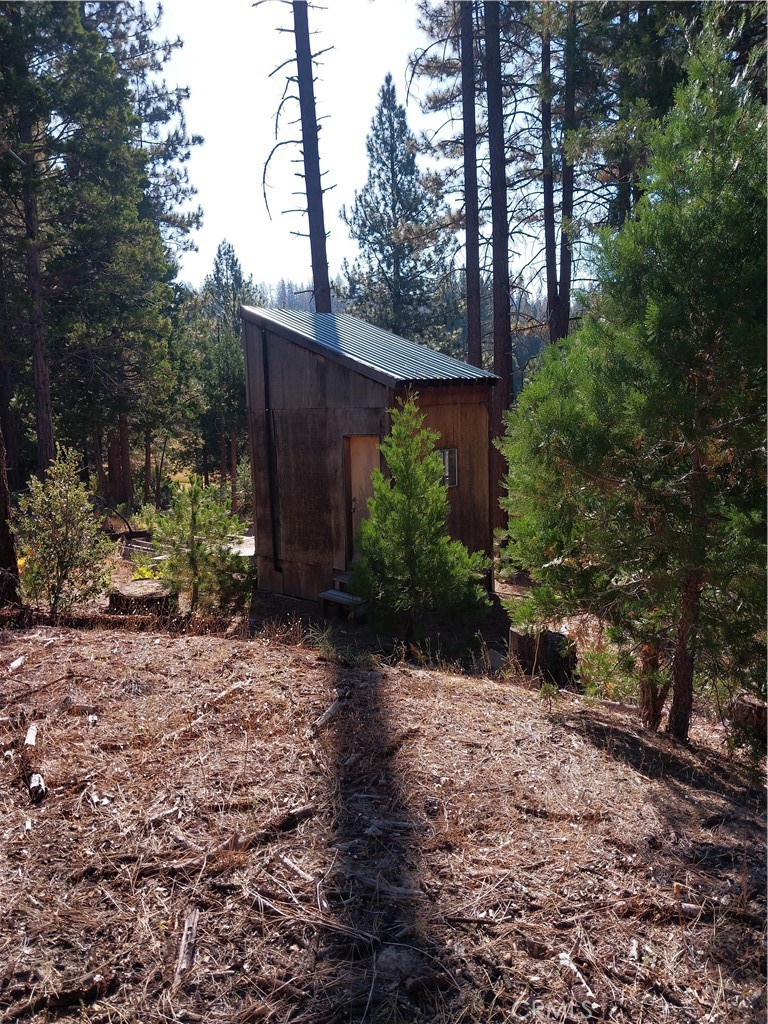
(319, 389)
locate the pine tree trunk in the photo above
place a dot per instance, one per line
(471, 205)
(9, 426)
(652, 696)
(126, 476)
(500, 252)
(548, 186)
(684, 659)
(9, 567)
(566, 212)
(159, 467)
(147, 466)
(312, 180)
(233, 468)
(114, 469)
(223, 454)
(206, 476)
(98, 458)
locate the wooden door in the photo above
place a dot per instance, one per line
(362, 458)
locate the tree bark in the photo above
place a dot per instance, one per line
(9, 426)
(98, 458)
(9, 567)
(206, 477)
(471, 204)
(566, 211)
(114, 472)
(548, 186)
(233, 468)
(312, 180)
(159, 466)
(8, 418)
(500, 251)
(652, 695)
(223, 453)
(684, 659)
(147, 466)
(126, 476)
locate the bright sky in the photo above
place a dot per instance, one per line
(230, 49)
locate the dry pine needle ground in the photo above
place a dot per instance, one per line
(242, 830)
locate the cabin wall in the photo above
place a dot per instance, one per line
(301, 410)
(301, 407)
(459, 414)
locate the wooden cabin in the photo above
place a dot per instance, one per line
(320, 387)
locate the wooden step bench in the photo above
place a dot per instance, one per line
(352, 604)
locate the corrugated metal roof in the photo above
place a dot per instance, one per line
(379, 351)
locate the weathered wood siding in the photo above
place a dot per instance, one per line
(460, 415)
(312, 404)
(300, 411)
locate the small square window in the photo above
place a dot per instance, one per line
(450, 471)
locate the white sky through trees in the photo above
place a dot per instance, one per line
(230, 49)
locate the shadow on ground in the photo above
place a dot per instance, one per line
(388, 967)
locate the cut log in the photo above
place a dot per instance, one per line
(141, 597)
(550, 655)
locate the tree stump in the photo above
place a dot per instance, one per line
(142, 597)
(550, 655)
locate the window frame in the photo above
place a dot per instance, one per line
(450, 457)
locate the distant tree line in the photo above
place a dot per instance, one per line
(100, 349)
(94, 206)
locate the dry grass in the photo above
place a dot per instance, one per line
(440, 848)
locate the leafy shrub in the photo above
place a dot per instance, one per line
(607, 674)
(195, 536)
(64, 548)
(409, 568)
(144, 568)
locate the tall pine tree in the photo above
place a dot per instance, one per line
(636, 456)
(405, 234)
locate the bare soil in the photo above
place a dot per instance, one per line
(240, 830)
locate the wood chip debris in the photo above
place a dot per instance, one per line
(248, 829)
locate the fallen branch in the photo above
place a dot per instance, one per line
(85, 990)
(295, 868)
(187, 946)
(328, 714)
(282, 823)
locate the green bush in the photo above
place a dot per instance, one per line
(195, 536)
(409, 568)
(608, 674)
(65, 549)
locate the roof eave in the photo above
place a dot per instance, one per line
(265, 321)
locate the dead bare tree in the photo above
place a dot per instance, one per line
(313, 188)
